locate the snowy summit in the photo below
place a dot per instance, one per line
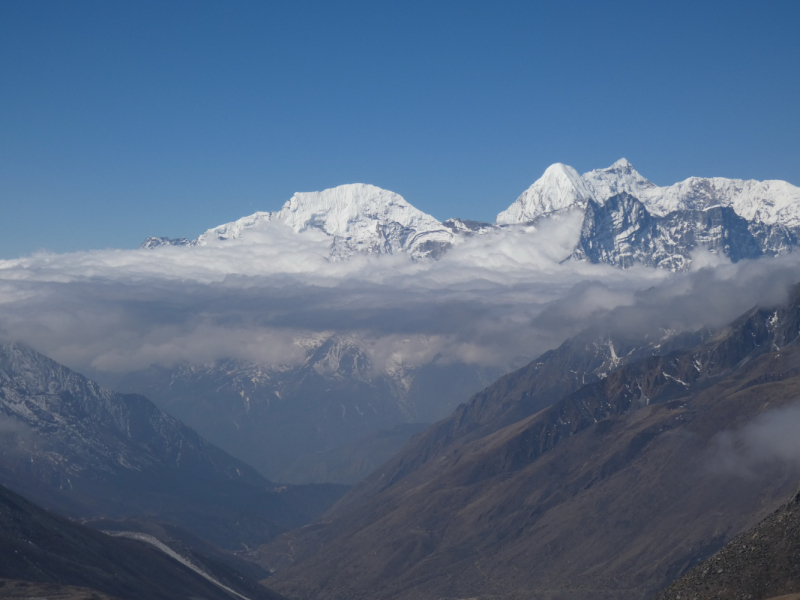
(357, 217)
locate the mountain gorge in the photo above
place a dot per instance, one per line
(311, 346)
(272, 417)
(611, 492)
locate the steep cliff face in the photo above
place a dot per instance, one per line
(622, 232)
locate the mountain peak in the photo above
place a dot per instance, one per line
(558, 188)
(337, 209)
(622, 163)
(616, 179)
(358, 217)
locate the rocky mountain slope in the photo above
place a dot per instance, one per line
(627, 219)
(273, 417)
(587, 358)
(622, 232)
(759, 564)
(612, 492)
(39, 547)
(75, 446)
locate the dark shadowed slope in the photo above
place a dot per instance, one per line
(612, 492)
(14, 589)
(38, 546)
(221, 563)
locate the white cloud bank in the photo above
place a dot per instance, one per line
(489, 300)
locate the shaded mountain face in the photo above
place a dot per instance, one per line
(85, 450)
(759, 564)
(623, 233)
(41, 547)
(274, 417)
(612, 492)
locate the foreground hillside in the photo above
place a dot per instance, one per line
(612, 492)
(50, 552)
(763, 562)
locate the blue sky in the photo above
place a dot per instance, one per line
(120, 120)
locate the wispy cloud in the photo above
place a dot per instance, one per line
(772, 438)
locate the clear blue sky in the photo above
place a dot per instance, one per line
(122, 119)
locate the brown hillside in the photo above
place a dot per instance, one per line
(612, 492)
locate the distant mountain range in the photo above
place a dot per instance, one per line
(287, 421)
(626, 219)
(274, 415)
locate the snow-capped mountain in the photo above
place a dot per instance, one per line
(767, 202)
(357, 217)
(628, 220)
(559, 188)
(622, 232)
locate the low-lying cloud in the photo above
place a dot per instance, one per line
(769, 440)
(489, 301)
